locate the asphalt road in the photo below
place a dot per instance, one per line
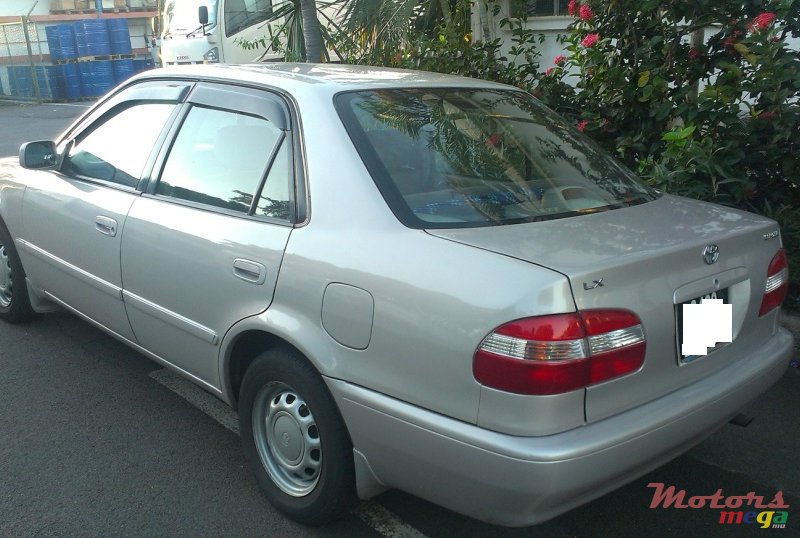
(26, 123)
(92, 444)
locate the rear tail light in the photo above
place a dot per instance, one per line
(560, 353)
(777, 283)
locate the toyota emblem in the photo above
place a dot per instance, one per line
(710, 254)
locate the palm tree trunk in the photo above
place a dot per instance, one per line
(448, 17)
(312, 35)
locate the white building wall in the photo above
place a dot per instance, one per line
(484, 23)
(22, 7)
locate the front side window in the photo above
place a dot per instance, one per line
(220, 158)
(117, 150)
(448, 158)
(239, 14)
(181, 16)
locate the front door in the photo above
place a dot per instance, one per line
(73, 217)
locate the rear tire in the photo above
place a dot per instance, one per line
(15, 305)
(295, 439)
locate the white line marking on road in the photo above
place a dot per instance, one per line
(82, 105)
(199, 398)
(377, 517)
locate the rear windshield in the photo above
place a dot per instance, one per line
(455, 158)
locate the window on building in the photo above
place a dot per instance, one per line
(538, 8)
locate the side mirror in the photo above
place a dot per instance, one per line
(202, 15)
(38, 155)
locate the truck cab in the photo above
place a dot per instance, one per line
(188, 37)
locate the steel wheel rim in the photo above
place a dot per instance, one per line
(5, 278)
(287, 439)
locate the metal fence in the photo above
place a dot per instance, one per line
(23, 74)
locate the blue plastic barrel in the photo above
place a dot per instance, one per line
(80, 38)
(54, 42)
(55, 82)
(123, 69)
(69, 49)
(142, 64)
(21, 81)
(119, 36)
(72, 81)
(97, 42)
(87, 79)
(103, 72)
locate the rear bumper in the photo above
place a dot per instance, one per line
(517, 481)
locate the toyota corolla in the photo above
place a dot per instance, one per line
(400, 280)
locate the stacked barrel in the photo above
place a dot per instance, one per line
(90, 57)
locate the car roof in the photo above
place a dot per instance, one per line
(331, 77)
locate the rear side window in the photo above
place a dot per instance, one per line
(220, 158)
(450, 158)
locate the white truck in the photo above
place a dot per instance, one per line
(207, 31)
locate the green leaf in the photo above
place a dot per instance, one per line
(680, 134)
(644, 78)
(741, 48)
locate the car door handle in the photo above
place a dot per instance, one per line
(249, 271)
(105, 225)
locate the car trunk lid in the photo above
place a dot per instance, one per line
(648, 259)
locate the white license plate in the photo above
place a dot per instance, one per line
(719, 294)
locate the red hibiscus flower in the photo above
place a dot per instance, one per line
(558, 60)
(590, 40)
(762, 21)
(585, 13)
(571, 8)
(581, 125)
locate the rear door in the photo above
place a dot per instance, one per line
(203, 245)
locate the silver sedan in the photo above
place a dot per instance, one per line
(400, 280)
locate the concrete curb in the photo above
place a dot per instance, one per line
(791, 322)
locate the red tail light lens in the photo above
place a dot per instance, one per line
(560, 353)
(777, 283)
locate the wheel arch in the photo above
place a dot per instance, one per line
(252, 336)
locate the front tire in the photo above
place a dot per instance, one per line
(15, 305)
(294, 438)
